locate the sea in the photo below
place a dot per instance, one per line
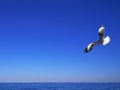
(59, 86)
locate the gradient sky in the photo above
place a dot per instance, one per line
(44, 40)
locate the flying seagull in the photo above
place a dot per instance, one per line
(103, 40)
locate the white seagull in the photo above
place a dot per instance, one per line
(103, 40)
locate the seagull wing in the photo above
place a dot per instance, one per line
(101, 32)
(89, 47)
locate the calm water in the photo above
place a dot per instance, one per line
(59, 86)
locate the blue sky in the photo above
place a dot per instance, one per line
(44, 40)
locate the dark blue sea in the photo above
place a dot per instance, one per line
(59, 86)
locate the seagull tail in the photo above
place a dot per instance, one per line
(106, 40)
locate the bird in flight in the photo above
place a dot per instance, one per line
(103, 40)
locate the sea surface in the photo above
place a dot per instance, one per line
(59, 86)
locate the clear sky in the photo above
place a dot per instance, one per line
(44, 40)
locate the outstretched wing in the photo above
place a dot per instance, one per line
(101, 32)
(89, 47)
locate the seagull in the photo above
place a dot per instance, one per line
(103, 40)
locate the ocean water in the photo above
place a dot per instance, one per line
(59, 86)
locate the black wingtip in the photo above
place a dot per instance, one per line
(86, 51)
